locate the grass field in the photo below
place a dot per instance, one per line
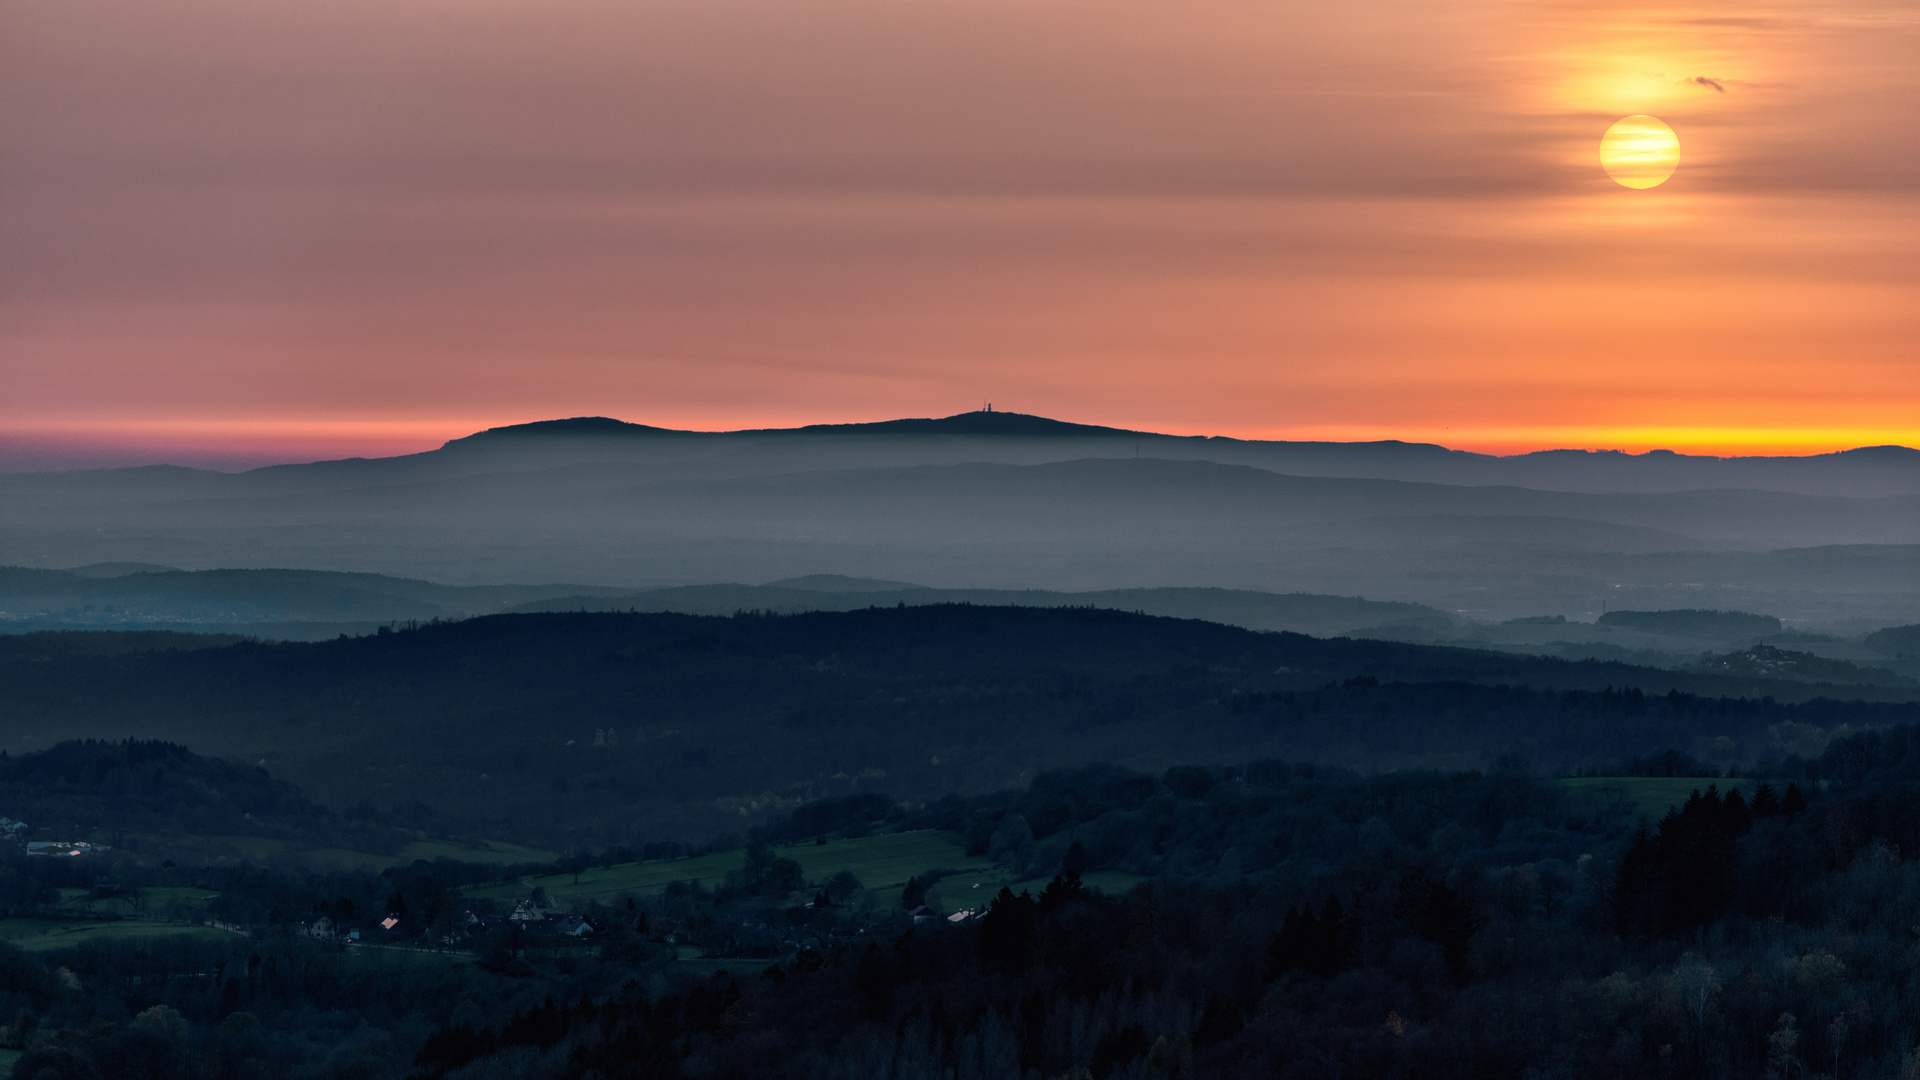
(345, 859)
(158, 903)
(488, 851)
(1650, 795)
(35, 935)
(882, 863)
(263, 849)
(9, 1058)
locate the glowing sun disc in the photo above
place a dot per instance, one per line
(1640, 151)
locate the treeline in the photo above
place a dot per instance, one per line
(1206, 825)
(1694, 622)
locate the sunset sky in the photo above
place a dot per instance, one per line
(236, 232)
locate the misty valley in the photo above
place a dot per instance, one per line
(980, 747)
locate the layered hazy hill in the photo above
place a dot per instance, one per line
(150, 606)
(318, 604)
(1003, 501)
(272, 602)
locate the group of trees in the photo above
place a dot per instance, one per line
(1681, 876)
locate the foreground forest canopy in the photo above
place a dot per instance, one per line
(618, 728)
(1287, 919)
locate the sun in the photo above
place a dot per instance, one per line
(1640, 151)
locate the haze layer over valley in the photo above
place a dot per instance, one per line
(1005, 501)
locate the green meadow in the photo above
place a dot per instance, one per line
(485, 852)
(267, 850)
(160, 902)
(1649, 795)
(38, 935)
(882, 863)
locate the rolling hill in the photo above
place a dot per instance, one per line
(553, 729)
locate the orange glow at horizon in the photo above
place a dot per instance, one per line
(261, 441)
(298, 231)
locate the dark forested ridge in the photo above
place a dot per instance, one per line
(103, 791)
(617, 728)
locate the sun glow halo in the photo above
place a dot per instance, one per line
(1640, 151)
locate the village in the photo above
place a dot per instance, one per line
(545, 923)
(16, 832)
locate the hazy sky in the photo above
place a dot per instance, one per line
(266, 229)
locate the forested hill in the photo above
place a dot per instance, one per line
(612, 728)
(104, 791)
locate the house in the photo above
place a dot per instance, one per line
(570, 926)
(923, 914)
(960, 916)
(67, 849)
(389, 922)
(526, 911)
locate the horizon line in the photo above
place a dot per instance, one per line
(243, 443)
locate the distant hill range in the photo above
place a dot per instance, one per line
(1008, 502)
(310, 604)
(272, 603)
(1865, 471)
(1016, 438)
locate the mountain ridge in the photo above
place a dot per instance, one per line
(1023, 438)
(1029, 425)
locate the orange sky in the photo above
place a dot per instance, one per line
(233, 231)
